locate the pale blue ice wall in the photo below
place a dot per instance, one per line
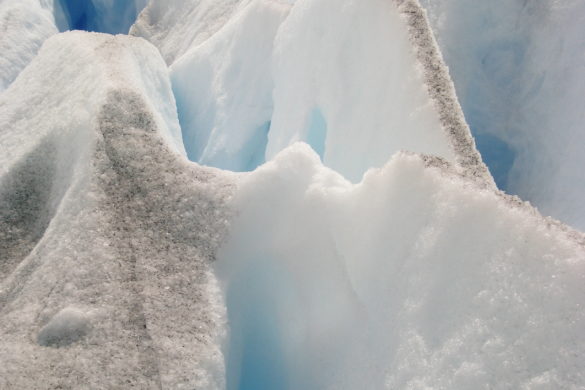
(519, 70)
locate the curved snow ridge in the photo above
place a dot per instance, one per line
(441, 89)
(415, 277)
(111, 230)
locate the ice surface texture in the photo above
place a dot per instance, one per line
(519, 70)
(122, 264)
(413, 278)
(371, 77)
(110, 230)
(26, 24)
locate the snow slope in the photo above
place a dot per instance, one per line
(519, 70)
(106, 230)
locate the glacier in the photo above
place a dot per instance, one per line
(277, 194)
(519, 71)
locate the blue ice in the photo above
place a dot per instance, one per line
(257, 303)
(317, 132)
(498, 156)
(95, 16)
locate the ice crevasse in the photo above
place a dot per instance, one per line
(519, 71)
(335, 228)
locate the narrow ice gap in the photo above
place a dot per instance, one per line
(113, 17)
(498, 155)
(256, 303)
(317, 132)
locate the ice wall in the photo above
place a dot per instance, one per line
(224, 90)
(358, 71)
(175, 26)
(106, 230)
(359, 88)
(413, 278)
(519, 72)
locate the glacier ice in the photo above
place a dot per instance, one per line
(102, 214)
(519, 71)
(26, 24)
(365, 87)
(175, 26)
(376, 253)
(224, 90)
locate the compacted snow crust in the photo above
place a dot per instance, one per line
(374, 254)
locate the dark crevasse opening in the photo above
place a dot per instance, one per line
(498, 156)
(257, 305)
(256, 148)
(113, 17)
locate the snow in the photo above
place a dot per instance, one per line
(412, 278)
(519, 72)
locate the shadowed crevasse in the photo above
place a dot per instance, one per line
(88, 15)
